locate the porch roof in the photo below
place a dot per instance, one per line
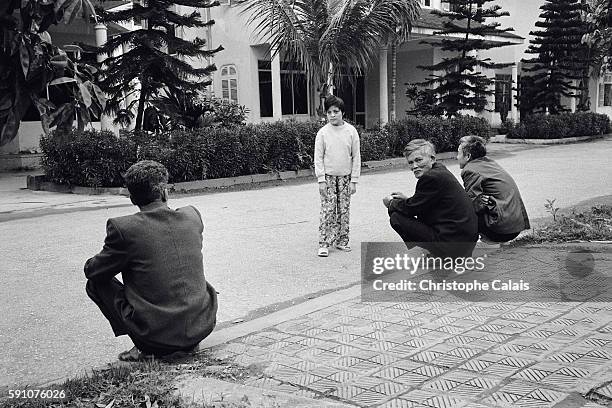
(428, 22)
(110, 4)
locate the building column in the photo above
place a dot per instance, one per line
(277, 107)
(383, 86)
(513, 89)
(106, 122)
(574, 101)
(130, 98)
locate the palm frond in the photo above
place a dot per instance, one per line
(360, 28)
(280, 23)
(345, 35)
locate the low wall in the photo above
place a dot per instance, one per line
(39, 183)
(566, 140)
(10, 162)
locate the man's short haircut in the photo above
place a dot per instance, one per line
(146, 181)
(333, 100)
(420, 144)
(473, 145)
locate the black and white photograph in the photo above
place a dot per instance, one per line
(306, 203)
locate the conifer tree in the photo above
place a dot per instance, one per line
(560, 57)
(462, 84)
(156, 57)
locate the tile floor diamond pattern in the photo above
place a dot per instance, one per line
(444, 355)
(421, 398)
(463, 383)
(524, 394)
(436, 354)
(556, 376)
(506, 327)
(496, 364)
(583, 357)
(606, 390)
(527, 347)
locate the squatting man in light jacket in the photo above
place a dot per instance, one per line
(494, 194)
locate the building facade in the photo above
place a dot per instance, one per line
(273, 88)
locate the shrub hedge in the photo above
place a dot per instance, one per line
(560, 126)
(443, 133)
(90, 158)
(95, 159)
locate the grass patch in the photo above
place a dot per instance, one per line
(143, 385)
(594, 224)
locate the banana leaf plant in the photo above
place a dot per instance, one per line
(30, 63)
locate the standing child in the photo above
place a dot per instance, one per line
(337, 167)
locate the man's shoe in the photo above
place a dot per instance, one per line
(485, 243)
(344, 248)
(181, 354)
(323, 252)
(134, 355)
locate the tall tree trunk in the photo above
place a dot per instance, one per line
(330, 79)
(392, 114)
(141, 104)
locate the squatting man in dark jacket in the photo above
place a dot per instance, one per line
(439, 216)
(494, 194)
(165, 304)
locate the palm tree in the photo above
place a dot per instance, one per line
(331, 38)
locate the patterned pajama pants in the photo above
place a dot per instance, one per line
(334, 218)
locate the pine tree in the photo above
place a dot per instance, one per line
(560, 56)
(462, 84)
(148, 60)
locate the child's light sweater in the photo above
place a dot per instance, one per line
(337, 152)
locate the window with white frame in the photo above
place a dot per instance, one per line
(605, 91)
(426, 3)
(229, 83)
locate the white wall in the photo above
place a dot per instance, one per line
(230, 31)
(28, 138)
(523, 16)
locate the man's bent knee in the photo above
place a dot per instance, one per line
(394, 220)
(92, 290)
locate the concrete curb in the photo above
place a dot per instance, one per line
(205, 391)
(38, 182)
(225, 335)
(567, 140)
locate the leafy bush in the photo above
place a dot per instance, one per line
(560, 126)
(506, 126)
(443, 133)
(224, 113)
(88, 158)
(95, 158)
(374, 145)
(290, 144)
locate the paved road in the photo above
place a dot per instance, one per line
(260, 249)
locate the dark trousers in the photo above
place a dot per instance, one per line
(493, 236)
(415, 233)
(110, 298)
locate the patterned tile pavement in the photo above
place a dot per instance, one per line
(439, 354)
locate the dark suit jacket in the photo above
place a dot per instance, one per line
(508, 214)
(158, 252)
(440, 202)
